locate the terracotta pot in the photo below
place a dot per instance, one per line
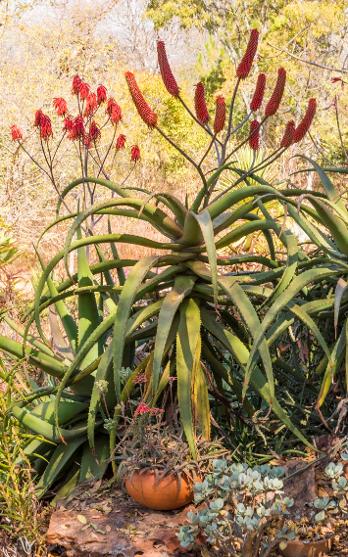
(298, 548)
(161, 493)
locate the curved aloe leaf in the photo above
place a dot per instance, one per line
(188, 351)
(171, 303)
(128, 295)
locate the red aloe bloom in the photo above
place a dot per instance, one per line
(288, 136)
(76, 82)
(38, 116)
(135, 153)
(91, 104)
(259, 92)
(94, 131)
(84, 89)
(114, 111)
(276, 97)
(254, 135)
(305, 124)
(166, 72)
(60, 105)
(101, 94)
(220, 114)
(75, 128)
(120, 142)
(200, 104)
(144, 110)
(16, 133)
(68, 124)
(248, 58)
(45, 127)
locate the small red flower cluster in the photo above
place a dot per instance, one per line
(143, 408)
(120, 142)
(140, 378)
(82, 127)
(16, 133)
(114, 111)
(43, 122)
(135, 153)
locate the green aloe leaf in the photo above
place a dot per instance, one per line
(249, 315)
(340, 290)
(128, 295)
(188, 349)
(242, 355)
(59, 460)
(206, 226)
(334, 223)
(297, 284)
(94, 463)
(171, 303)
(337, 356)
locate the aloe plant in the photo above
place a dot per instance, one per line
(190, 311)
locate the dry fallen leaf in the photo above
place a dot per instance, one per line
(81, 518)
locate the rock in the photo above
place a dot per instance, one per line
(99, 523)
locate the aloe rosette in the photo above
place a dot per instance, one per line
(189, 311)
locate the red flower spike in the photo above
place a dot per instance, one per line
(94, 131)
(16, 133)
(114, 111)
(60, 105)
(259, 92)
(220, 114)
(84, 89)
(246, 62)
(144, 110)
(101, 94)
(120, 142)
(166, 72)
(254, 135)
(76, 82)
(45, 127)
(288, 136)
(276, 97)
(305, 124)
(38, 116)
(200, 104)
(91, 104)
(135, 153)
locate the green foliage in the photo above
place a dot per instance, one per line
(19, 509)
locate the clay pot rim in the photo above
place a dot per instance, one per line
(162, 473)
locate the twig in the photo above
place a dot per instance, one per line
(322, 66)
